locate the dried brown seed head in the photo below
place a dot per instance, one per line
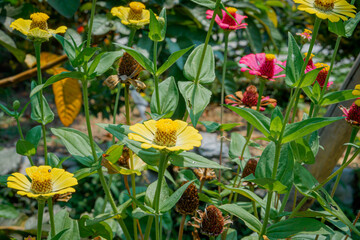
(189, 201)
(124, 159)
(206, 174)
(250, 168)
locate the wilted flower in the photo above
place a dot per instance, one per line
(352, 114)
(134, 16)
(166, 134)
(62, 197)
(305, 35)
(211, 222)
(128, 72)
(226, 22)
(45, 182)
(189, 201)
(249, 99)
(334, 10)
(206, 174)
(36, 29)
(262, 65)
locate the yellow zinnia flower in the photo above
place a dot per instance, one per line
(166, 134)
(45, 182)
(135, 15)
(37, 28)
(328, 9)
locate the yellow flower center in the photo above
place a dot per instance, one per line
(311, 56)
(231, 10)
(166, 130)
(308, 31)
(324, 65)
(324, 5)
(136, 9)
(39, 20)
(41, 181)
(270, 57)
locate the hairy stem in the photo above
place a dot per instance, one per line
(51, 213)
(41, 205)
(93, 6)
(22, 138)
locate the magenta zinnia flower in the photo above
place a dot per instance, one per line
(321, 77)
(352, 114)
(262, 65)
(249, 99)
(227, 23)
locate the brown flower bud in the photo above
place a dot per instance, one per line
(211, 222)
(250, 168)
(189, 201)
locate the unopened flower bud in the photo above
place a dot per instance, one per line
(16, 105)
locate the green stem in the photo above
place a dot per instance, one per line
(295, 107)
(226, 40)
(41, 205)
(22, 137)
(51, 213)
(117, 98)
(317, 107)
(93, 6)
(302, 202)
(181, 230)
(156, 79)
(284, 202)
(131, 37)
(105, 199)
(254, 203)
(37, 46)
(162, 167)
(148, 227)
(352, 139)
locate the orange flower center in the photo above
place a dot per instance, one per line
(41, 181)
(136, 9)
(324, 5)
(39, 20)
(165, 134)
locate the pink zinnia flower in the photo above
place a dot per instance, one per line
(262, 65)
(321, 77)
(227, 23)
(306, 35)
(352, 114)
(249, 99)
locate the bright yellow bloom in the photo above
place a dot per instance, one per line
(45, 182)
(356, 91)
(36, 28)
(166, 134)
(135, 15)
(328, 9)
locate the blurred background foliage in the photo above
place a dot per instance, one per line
(268, 23)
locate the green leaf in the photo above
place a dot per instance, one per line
(34, 135)
(351, 24)
(309, 78)
(25, 148)
(325, 200)
(99, 229)
(250, 221)
(193, 160)
(174, 198)
(157, 27)
(309, 92)
(205, 3)
(300, 129)
(171, 60)
(294, 226)
(3, 179)
(67, 8)
(47, 116)
(59, 234)
(316, 91)
(191, 68)
(8, 212)
(337, 27)
(169, 98)
(284, 172)
(336, 97)
(55, 78)
(254, 36)
(63, 221)
(83, 173)
(196, 98)
(103, 62)
(210, 126)
(9, 44)
(68, 47)
(150, 192)
(139, 57)
(302, 151)
(78, 145)
(276, 123)
(84, 56)
(237, 144)
(269, 184)
(294, 61)
(258, 120)
(303, 180)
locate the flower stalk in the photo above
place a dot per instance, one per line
(22, 136)
(41, 205)
(51, 214)
(156, 79)
(181, 230)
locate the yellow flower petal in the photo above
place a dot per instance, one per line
(142, 130)
(61, 29)
(21, 25)
(17, 185)
(37, 33)
(18, 177)
(64, 182)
